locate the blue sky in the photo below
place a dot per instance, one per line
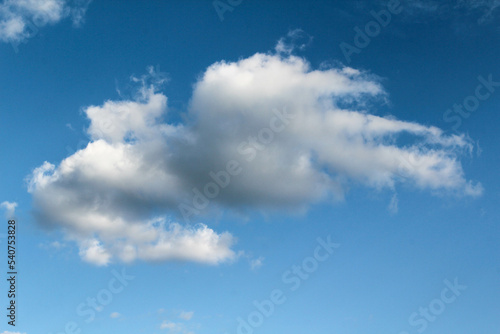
(251, 166)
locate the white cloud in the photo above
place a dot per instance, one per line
(20, 19)
(172, 326)
(295, 39)
(9, 207)
(92, 251)
(256, 263)
(393, 205)
(115, 315)
(186, 315)
(112, 197)
(7, 332)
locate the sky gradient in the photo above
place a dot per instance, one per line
(251, 166)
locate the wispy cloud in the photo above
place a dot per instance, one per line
(115, 315)
(256, 263)
(482, 10)
(54, 245)
(295, 40)
(185, 315)
(174, 327)
(486, 8)
(393, 204)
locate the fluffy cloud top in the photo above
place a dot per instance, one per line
(291, 134)
(21, 18)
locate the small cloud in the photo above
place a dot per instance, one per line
(479, 150)
(93, 252)
(78, 12)
(7, 332)
(256, 263)
(69, 126)
(393, 205)
(295, 39)
(20, 20)
(9, 207)
(186, 315)
(170, 325)
(180, 327)
(55, 245)
(61, 249)
(482, 212)
(115, 315)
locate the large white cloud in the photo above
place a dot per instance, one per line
(291, 135)
(20, 19)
